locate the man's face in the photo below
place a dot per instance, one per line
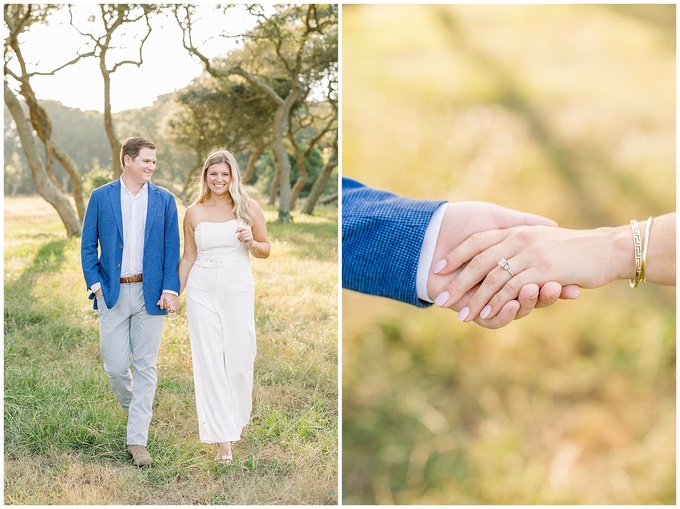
(139, 170)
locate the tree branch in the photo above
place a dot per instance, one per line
(188, 44)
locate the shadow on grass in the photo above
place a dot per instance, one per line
(54, 393)
(22, 308)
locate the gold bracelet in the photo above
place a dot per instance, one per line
(648, 229)
(637, 244)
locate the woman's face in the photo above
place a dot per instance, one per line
(218, 178)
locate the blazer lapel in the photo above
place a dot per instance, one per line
(114, 196)
(151, 210)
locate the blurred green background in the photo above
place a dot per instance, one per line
(564, 111)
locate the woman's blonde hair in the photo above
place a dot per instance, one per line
(237, 191)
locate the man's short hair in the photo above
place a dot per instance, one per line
(132, 146)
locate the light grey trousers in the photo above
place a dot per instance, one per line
(128, 330)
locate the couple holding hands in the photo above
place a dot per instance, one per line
(130, 251)
(489, 263)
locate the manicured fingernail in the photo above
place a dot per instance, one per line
(463, 314)
(438, 266)
(485, 312)
(442, 298)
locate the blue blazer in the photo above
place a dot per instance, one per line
(103, 228)
(382, 235)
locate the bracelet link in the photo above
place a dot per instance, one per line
(640, 251)
(637, 244)
(648, 230)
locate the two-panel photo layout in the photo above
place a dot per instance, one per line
(339, 254)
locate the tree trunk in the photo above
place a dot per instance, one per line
(302, 177)
(43, 127)
(274, 188)
(42, 182)
(49, 169)
(281, 160)
(250, 167)
(76, 175)
(191, 179)
(330, 198)
(108, 120)
(321, 182)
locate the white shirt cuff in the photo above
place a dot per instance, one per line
(427, 252)
(172, 292)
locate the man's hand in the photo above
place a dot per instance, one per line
(467, 218)
(169, 301)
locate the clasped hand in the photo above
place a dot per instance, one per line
(533, 255)
(169, 301)
(467, 230)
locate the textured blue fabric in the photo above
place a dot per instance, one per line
(382, 235)
(103, 229)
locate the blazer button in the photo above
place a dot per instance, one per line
(121, 246)
(118, 265)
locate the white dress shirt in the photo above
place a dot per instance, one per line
(133, 208)
(427, 252)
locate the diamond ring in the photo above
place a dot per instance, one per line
(504, 265)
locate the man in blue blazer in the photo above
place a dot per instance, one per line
(390, 245)
(130, 255)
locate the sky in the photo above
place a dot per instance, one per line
(167, 65)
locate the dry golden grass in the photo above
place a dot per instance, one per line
(65, 433)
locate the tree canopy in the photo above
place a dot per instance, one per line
(274, 95)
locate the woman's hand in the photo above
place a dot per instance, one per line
(530, 297)
(535, 255)
(463, 219)
(168, 301)
(245, 234)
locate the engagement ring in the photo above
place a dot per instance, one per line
(504, 265)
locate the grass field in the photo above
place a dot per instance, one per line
(567, 111)
(65, 432)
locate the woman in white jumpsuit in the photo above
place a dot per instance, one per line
(222, 228)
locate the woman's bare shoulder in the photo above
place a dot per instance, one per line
(192, 213)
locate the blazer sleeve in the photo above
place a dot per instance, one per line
(89, 240)
(171, 260)
(382, 236)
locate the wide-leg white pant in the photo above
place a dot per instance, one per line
(220, 307)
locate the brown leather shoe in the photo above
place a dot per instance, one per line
(140, 456)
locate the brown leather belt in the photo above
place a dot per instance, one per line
(132, 279)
